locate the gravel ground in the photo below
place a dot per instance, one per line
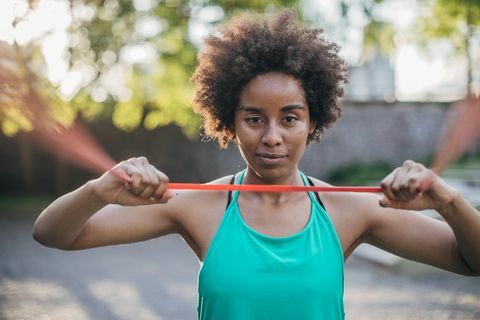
(157, 280)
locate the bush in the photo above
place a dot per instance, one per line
(359, 174)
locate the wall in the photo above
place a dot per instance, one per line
(370, 132)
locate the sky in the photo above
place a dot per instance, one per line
(418, 76)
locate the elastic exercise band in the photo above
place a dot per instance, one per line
(268, 188)
(252, 187)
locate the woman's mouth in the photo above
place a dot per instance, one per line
(271, 158)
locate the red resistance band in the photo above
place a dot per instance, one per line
(252, 187)
(268, 188)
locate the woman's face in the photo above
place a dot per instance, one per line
(272, 124)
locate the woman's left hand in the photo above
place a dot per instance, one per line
(414, 187)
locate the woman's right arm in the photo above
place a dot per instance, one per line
(109, 211)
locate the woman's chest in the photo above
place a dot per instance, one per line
(201, 227)
(250, 264)
(281, 220)
(259, 278)
(275, 221)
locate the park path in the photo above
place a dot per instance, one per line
(157, 280)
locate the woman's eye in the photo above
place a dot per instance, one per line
(254, 120)
(290, 119)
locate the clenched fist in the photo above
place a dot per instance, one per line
(141, 184)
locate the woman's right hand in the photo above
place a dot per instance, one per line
(146, 185)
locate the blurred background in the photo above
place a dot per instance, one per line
(84, 83)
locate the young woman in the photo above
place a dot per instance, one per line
(271, 87)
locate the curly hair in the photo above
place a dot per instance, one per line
(254, 44)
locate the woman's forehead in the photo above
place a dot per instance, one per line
(282, 87)
(274, 80)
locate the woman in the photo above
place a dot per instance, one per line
(271, 87)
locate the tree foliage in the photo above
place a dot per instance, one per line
(455, 20)
(378, 34)
(135, 59)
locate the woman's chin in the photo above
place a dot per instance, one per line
(269, 173)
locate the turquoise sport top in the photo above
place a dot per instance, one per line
(247, 275)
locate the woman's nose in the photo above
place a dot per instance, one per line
(272, 135)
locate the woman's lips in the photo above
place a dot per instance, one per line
(271, 158)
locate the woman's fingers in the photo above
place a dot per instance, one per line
(414, 187)
(121, 174)
(150, 181)
(161, 188)
(148, 185)
(408, 181)
(386, 184)
(404, 183)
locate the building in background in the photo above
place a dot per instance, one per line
(372, 80)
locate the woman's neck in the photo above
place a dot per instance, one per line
(292, 178)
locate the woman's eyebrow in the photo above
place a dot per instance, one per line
(287, 108)
(291, 107)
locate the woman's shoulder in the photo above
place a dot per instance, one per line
(318, 182)
(358, 200)
(223, 180)
(350, 212)
(192, 202)
(199, 212)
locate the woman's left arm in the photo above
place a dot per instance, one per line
(464, 220)
(455, 247)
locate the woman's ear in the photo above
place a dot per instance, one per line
(312, 127)
(233, 136)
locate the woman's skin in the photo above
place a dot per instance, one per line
(272, 124)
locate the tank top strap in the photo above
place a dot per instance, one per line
(307, 183)
(238, 181)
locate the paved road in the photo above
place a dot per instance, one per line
(157, 280)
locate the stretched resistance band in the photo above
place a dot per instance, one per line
(252, 187)
(268, 188)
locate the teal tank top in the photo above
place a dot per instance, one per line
(247, 275)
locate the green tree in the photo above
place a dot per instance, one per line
(138, 55)
(455, 20)
(378, 33)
